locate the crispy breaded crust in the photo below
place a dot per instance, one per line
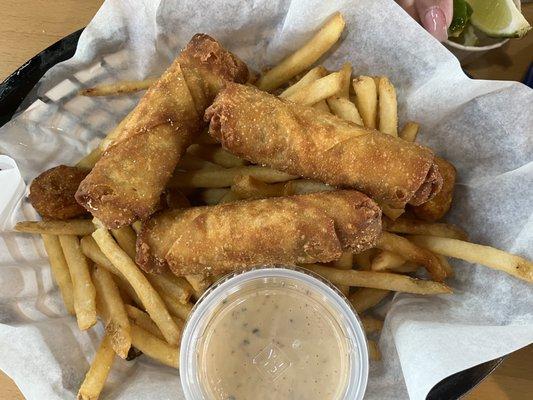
(304, 141)
(156, 237)
(126, 183)
(285, 230)
(216, 65)
(52, 192)
(438, 206)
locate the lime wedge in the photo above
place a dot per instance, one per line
(461, 16)
(498, 18)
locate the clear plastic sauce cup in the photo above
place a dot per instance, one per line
(273, 333)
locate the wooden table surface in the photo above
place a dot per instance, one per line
(29, 26)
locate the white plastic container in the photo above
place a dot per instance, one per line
(273, 333)
(468, 54)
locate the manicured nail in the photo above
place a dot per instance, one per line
(434, 21)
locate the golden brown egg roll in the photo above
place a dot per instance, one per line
(315, 227)
(436, 208)
(305, 141)
(126, 183)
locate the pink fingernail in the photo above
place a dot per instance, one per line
(434, 21)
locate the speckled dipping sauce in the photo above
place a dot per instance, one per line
(273, 333)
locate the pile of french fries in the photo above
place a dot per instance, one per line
(95, 270)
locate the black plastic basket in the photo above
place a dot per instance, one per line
(17, 86)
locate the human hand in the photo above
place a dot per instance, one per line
(434, 15)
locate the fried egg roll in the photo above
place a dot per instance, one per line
(305, 141)
(308, 228)
(126, 183)
(436, 208)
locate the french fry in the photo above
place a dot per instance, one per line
(189, 162)
(247, 187)
(408, 268)
(345, 109)
(391, 262)
(371, 324)
(90, 159)
(96, 376)
(229, 197)
(216, 155)
(116, 322)
(344, 262)
(409, 131)
(180, 322)
(322, 106)
(319, 90)
(373, 350)
(78, 227)
(177, 289)
(306, 56)
(174, 291)
(419, 227)
(364, 299)
(60, 271)
(137, 225)
(386, 261)
(126, 237)
(217, 277)
(447, 267)
(199, 283)
(220, 178)
(176, 308)
(388, 107)
(118, 88)
(366, 99)
(127, 292)
(363, 260)
(150, 299)
(379, 280)
(143, 320)
(478, 254)
(408, 250)
(212, 196)
(154, 347)
(91, 250)
(304, 186)
(391, 212)
(346, 78)
(84, 291)
(310, 77)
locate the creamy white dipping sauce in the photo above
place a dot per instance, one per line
(281, 342)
